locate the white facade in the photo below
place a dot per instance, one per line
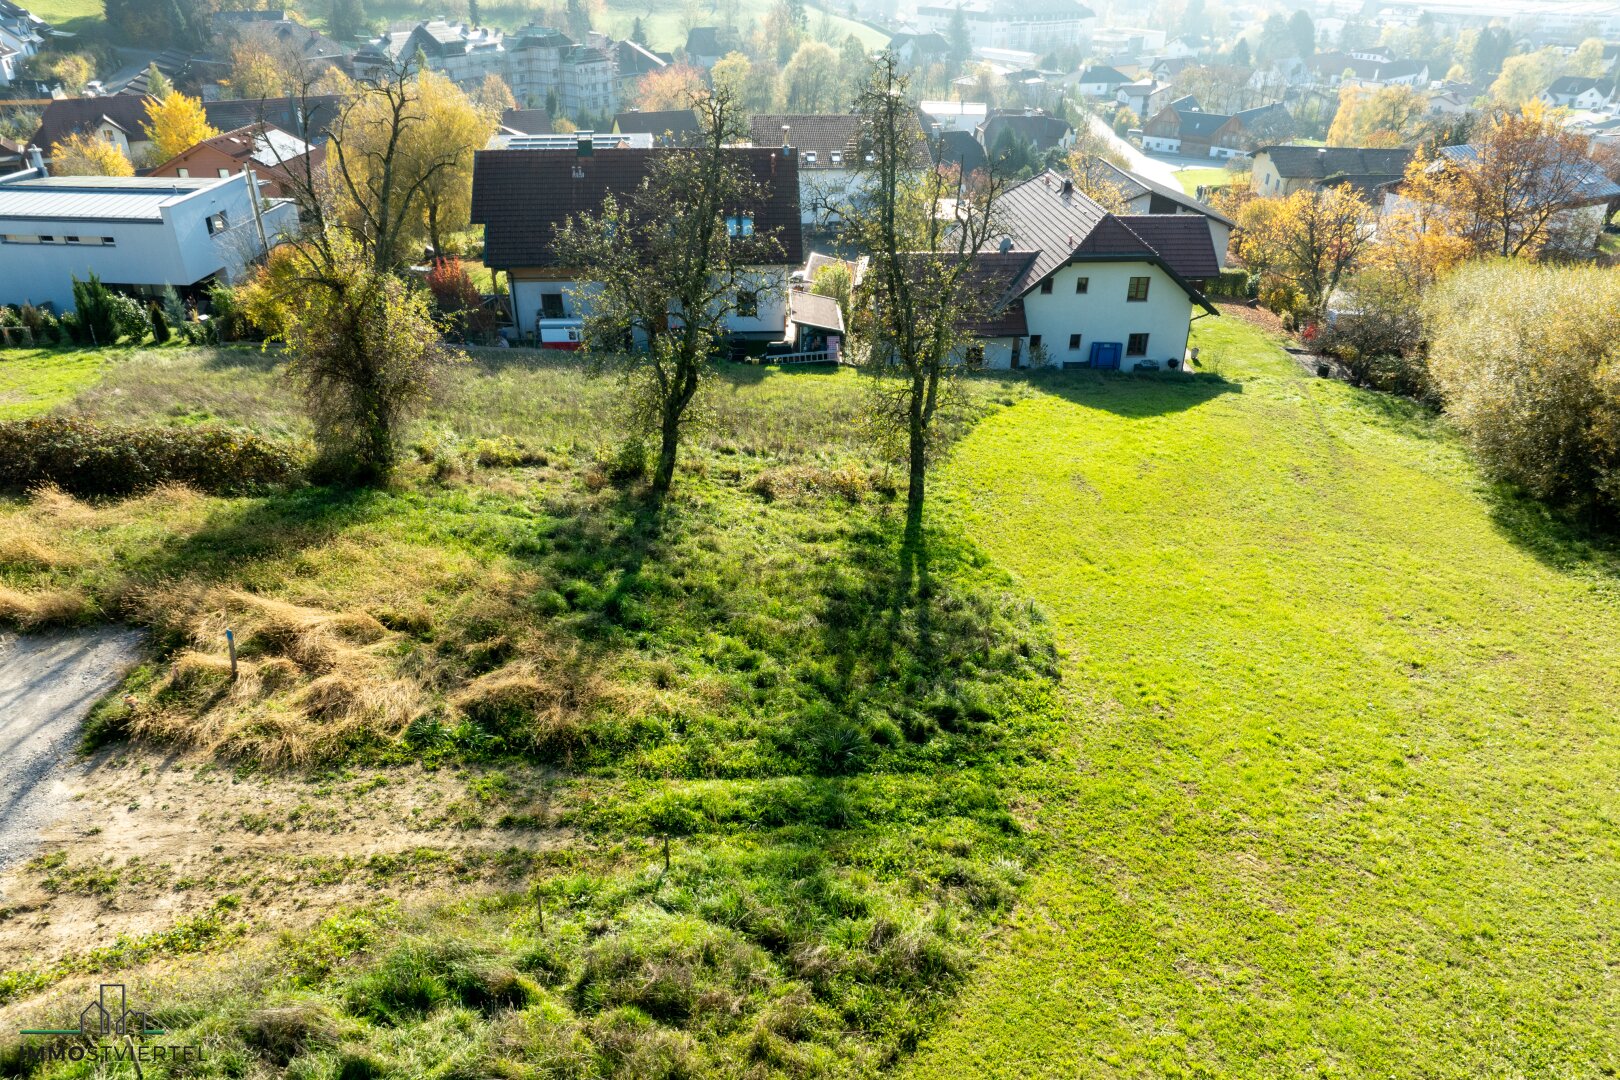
(555, 303)
(1064, 323)
(1037, 26)
(955, 115)
(139, 232)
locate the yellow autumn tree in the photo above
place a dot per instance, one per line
(175, 123)
(453, 123)
(255, 72)
(1386, 117)
(672, 87)
(86, 155)
(400, 162)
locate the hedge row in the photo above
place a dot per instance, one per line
(87, 459)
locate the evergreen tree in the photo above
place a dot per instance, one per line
(1240, 54)
(346, 19)
(961, 43)
(638, 33)
(1303, 30)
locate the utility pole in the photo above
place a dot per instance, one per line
(258, 216)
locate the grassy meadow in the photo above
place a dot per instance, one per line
(1226, 726)
(1337, 797)
(771, 752)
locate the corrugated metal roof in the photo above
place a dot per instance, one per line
(94, 198)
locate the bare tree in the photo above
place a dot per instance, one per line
(925, 228)
(363, 346)
(669, 265)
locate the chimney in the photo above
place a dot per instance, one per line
(1068, 186)
(586, 147)
(36, 161)
(786, 142)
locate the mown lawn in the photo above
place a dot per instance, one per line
(1192, 179)
(35, 380)
(1338, 795)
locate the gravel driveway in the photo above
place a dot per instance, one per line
(48, 682)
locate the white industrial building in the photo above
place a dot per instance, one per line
(136, 233)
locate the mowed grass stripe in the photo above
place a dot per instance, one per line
(1338, 797)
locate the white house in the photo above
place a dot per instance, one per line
(138, 233)
(1144, 98)
(1099, 81)
(1583, 94)
(955, 115)
(1080, 287)
(827, 145)
(521, 196)
(22, 34)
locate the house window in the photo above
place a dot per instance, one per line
(1034, 342)
(224, 173)
(217, 223)
(1074, 342)
(740, 225)
(1082, 284)
(1137, 290)
(1136, 344)
(185, 174)
(551, 306)
(1046, 287)
(975, 352)
(748, 304)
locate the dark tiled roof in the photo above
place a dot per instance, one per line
(1058, 223)
(286, 113)
(1575, 85)
(69, 116)
(962, 149)
(521, 196)
(1039, 130)
(821, 134)
(997, 274)
(1182, 240)
(633, 59)
(528, 121)
(1351, 163)
(1102, 74)
(704, 41)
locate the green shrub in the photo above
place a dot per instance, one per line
(44, 325)
(93, 303)
(160, 325)
(130, 320)
(1527, 360)
(73, 329)
(88, 459)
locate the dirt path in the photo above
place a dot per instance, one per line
(48, 682)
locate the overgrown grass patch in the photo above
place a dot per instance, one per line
(757, 678)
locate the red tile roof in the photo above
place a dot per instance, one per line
(1182, 240)
(521, 196)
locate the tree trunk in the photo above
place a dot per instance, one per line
(669, 443)
(916, 486)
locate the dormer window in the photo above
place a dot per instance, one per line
(837, 157)
(809, 157)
